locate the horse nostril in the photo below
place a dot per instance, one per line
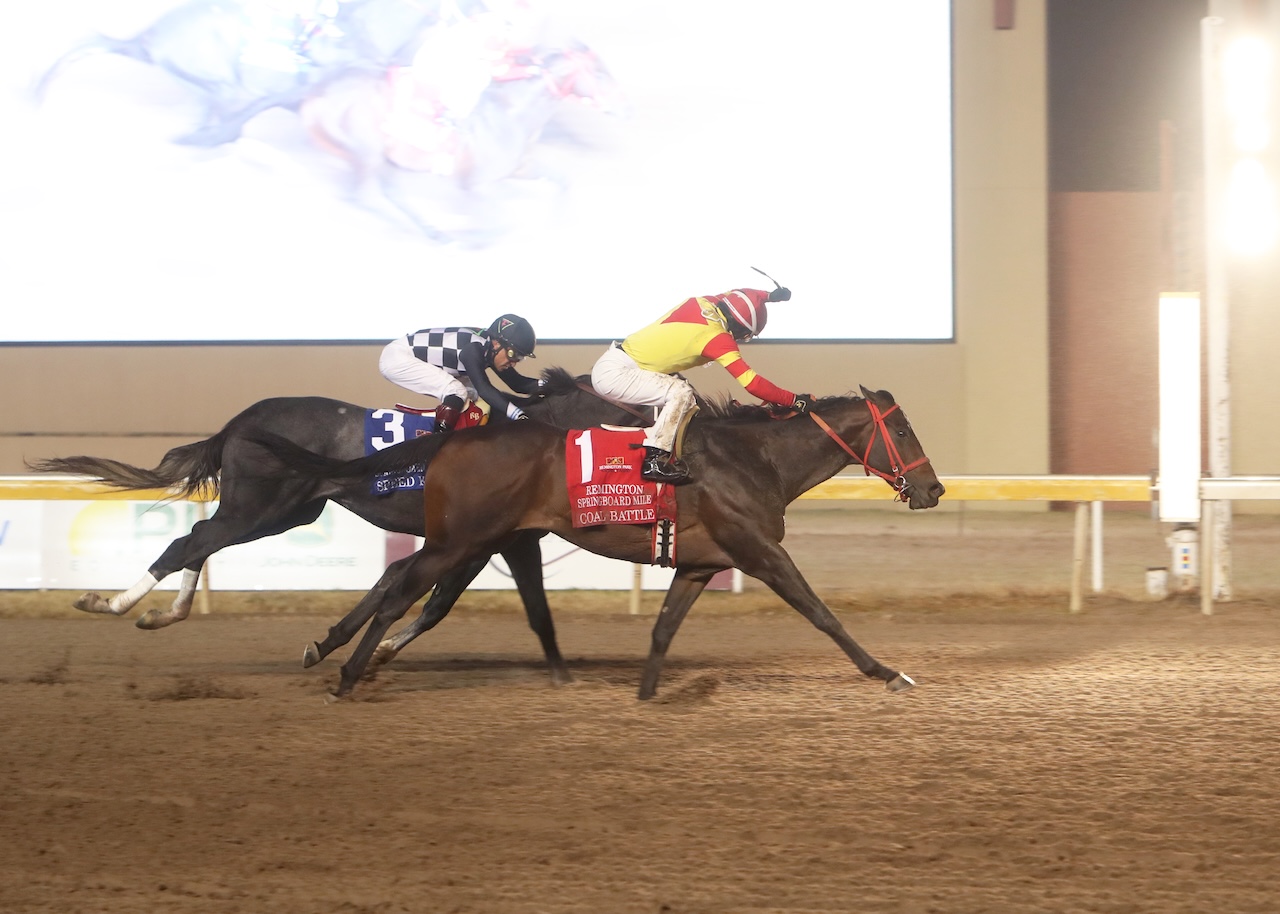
(937, 490)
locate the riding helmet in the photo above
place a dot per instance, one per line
(514, 332)
(747, 307)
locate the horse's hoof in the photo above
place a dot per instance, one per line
(561, 678)
(333, 698)
(152, 619)
(92, 603)
(311, 655)
(900, 683)
(382, 654)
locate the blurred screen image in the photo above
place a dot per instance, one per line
(306, 170)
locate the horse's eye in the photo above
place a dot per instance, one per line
(902, 433)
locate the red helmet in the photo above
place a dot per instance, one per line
(747, 307)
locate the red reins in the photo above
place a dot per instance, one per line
(897, 476)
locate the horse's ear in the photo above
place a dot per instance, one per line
(882, 397)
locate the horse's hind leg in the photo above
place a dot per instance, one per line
(524, 558)
(122, 602)
(403, 584)
(344, 629)
(686, 587)
(190, 553)
(442, 599)
(179, 609)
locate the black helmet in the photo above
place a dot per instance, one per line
(514, 332)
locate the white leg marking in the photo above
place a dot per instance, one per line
(121, 603)
(179, 609)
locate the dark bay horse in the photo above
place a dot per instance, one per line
(746, 470)
(251, 506)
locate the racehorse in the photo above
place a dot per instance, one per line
(746, 469)
(251, 506)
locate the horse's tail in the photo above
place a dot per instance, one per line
(293, 460)
(191, 469)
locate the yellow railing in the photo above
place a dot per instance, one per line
(71, 488)
(999, 488)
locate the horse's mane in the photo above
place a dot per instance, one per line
(557, 381)
(725, 408)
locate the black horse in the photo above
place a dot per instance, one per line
(746, 470)
(250, 505)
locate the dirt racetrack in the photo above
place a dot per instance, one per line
(1122, 759)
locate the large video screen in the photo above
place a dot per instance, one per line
(306, 170)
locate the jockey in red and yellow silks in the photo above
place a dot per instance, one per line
(708, 328)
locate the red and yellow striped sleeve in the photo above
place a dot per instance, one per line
(724, 349)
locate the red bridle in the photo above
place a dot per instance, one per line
(898, 475)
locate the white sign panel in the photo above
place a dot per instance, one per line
(20, 526)
(111, 544)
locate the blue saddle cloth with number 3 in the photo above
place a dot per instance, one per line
(385, 427)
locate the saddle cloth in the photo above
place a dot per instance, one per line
(386, 427)
(602, 474)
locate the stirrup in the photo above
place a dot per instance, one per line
(659, 466)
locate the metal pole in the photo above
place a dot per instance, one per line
(1077, 554)
(637, 587)
(1207, 510)
(1095, 518)
(1217, 300)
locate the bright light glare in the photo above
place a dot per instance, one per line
(1251, 219)
(1179, 440)
(1246, 75)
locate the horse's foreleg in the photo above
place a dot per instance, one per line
(686, 587)
(775, 568)
(524, 558)
(179, 609)
(442, 599)
(121, 603)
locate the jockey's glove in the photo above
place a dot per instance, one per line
(803, 403)
(515, 412)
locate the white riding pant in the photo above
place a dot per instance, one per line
(617, 375)
(400, 366)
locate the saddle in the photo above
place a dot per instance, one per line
(471, 416)
(386, 427)
(602, 474)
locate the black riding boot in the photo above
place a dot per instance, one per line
(659, 466)
(447, 413)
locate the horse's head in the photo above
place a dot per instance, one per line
(886, 445)
(894, 453)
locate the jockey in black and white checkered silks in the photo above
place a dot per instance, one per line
(452, 365)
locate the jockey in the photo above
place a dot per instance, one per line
(451, 364)
(641, 370)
